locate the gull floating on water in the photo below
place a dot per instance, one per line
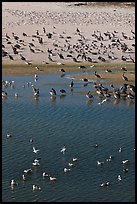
(52, 178)
(100, 162)
(125, 161)
(36, 187)
(28, 170)
(74, 159)
(44, 174)
(105, 184)
(65, 169)
(119, 178)
(35, 150)
(63, 150)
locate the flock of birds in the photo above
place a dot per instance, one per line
(36, 162)
(60, 48)
(45, 175)
(125, 91)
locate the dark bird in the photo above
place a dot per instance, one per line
(22, 58)
(62, 70)
(124, 69)
(7, 36)
(97, 75)
(11, 57)
(37, 32)
(82, 67)
(71, 84)
(61, 56)
(44, 30)
(52, 92)
(32, 50)
(62, 91)
(24, 34)
(124, 77)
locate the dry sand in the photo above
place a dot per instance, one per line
(62, 20)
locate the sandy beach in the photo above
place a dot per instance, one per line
(42, 34)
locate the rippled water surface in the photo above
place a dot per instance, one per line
(77, 123)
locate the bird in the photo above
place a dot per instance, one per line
(23, 177)
(27, 171)
(71, 83)
(13, 183)
(103, 101)
(24, 34)
(105, 184)
(52, 178)
(89, 95)
(120, 149)
(119, 178)
(16, 95)
(74, 159)
(36, 187)
(108, 70)
(44, 174)
(35, 150)
(97, 75)
(63, 92)
(63, 150)
(4, 94)
(62, 70)
(52, 92)
(70, 164)
(125, 161)
(9, 135)
(124, 77)
(36, 162)
(124, 68)
(65, 169)
(100, 162)
(22, 57)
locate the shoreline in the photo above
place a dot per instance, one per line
(114, 77)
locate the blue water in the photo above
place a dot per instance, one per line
(77, 123)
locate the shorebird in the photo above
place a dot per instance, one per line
(35, 150)
(71, 84)
(4, 94)
(89, 95)
(124, 77)
(63, 92)
(52, 92)
(62, 70)
(124, 68)
(97, 75)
